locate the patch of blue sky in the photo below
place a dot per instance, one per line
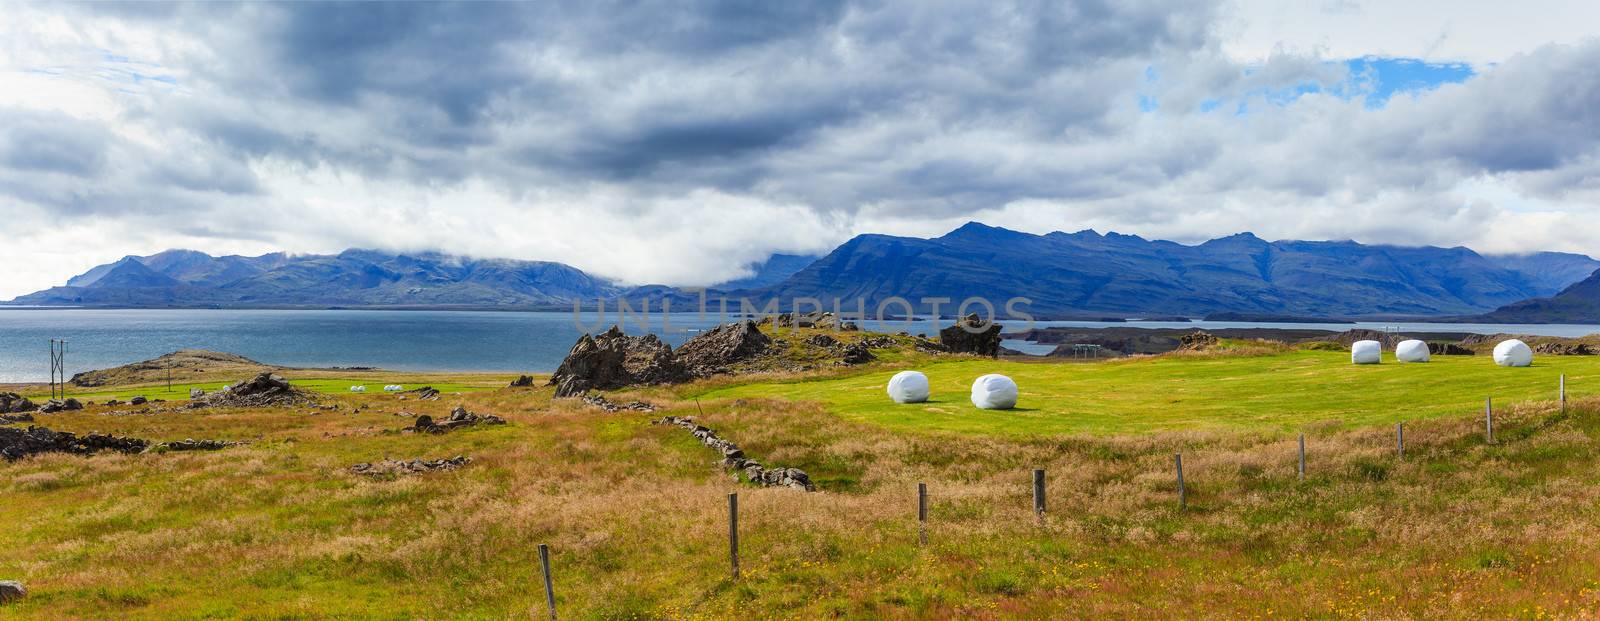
(1373, 78)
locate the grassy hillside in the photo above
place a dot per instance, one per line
(635, 513)
(1283, 392)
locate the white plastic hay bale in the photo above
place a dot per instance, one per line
(393, 388)
(358, 389)
(909, 387)
(1411, 351)
(994, 392)
(1366, 352)
(1513, 353)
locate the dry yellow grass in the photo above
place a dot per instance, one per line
(635, 514)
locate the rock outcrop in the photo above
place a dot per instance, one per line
(613, 360)
(13, 403)
(713, 351)
(970, 336)
(11, 419)
(19, 443)
(393, 467)
(459, 417)
(263, 390)
(1565, 349)
(600, 401)
(191, 444)
(425, 393)
(1448, 349)
(734, 458)
(816, 319)
(1197, 340)
(522, 381)
(58, 405)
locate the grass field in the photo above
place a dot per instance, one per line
(1283, 392)
(313, 381)
(635, 513)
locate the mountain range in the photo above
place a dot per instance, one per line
(1062, 274)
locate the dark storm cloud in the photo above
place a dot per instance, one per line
(52, 143)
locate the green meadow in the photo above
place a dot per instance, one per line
(1281, 391)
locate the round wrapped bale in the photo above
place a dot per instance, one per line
(908, 387)
(1513, 353)
(1411, 351)
(994, 392)
(1366, 352)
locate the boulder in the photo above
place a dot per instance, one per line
(263, 390)
(970, 336)
(57, 405)
(11, 590)
(856, 353)
(816, 319)
(13, 403)
(522, 381)
(459, 417)
(613, 360)
(138, 400)
(713, 351)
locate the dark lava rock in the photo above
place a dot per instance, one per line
(425, 393)
(22, 417)
(459, 417)
(713, 351)
(1565, 349)
(264, 390)
(1197, 340)
(822, 340)
(191, 444)
(12, 403)
(970, 336)
(139, 400)
(613, 360)
(522, 381)
(393, 467)
(600, 401)
(1449, 349)
(18, 443)
(11, 590)
(816, 319)
(857, 353)
(55, 405)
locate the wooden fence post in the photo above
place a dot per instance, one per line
(922, 513)
(549, 586)
(733, 533)
(1488, 419)
(1038, 492)
(1400, 440)
(1183, 500)
(1302, 457)
(1563, 393)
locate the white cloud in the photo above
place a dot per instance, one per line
(650, 153)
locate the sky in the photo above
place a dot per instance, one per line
(679, 142)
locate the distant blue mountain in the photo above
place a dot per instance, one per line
(1062, 273)
(1085, 272)
(366, 278)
